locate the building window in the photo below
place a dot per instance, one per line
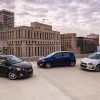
(29, 51)
(35, 35)
(40, 35)
(29, 34)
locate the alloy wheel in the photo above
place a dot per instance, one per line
(97, 68)
(72, 64)
(48, 65)
(12, 75)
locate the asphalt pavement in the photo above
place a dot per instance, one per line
(62, 83)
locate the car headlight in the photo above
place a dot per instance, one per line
(92, 63)
(43, 60)
(18, 69)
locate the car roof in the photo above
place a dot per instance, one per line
(97, 52)
(64, 51)
(4, 56)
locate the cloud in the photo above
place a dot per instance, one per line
(7, 4)
(49, 2)
(81, 16)
(7, 1)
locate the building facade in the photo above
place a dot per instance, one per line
(41, 26)
(6, 19)
(95, 38)
(68, 43)
(86, 45)
(24, 41)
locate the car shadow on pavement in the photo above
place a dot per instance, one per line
(29, 77)
(58, 67)
(24, 78)
(89, 70)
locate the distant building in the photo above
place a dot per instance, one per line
(86, 44)
(95, 38)
(68, 42)
(1, 26)
(6, 19)
(37, 40)
(41, 26)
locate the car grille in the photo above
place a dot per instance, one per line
(84, 66)
(83, 63)
(28, 71)
(40, 61)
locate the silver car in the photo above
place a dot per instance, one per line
(92, 62)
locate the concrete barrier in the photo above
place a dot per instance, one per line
(35, 58)
(81, 55)
(30, 58)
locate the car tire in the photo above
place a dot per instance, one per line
(72, 63)
(12, 75)
(48, 65)
(97, 68)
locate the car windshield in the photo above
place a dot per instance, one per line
(50, 55)
(13, 59)
(94, 56)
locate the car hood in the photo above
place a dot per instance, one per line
(88, 60)
(23, 64)
(42, 58)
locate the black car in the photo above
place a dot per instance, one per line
(14, 68)
(62, 58)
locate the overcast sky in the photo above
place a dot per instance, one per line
(78, 16)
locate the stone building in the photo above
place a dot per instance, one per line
(68, 42)
(6, 19)
(41, 26)
(95, 38)
(86, 45)
(37, 40)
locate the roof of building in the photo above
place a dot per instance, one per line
(4, 10)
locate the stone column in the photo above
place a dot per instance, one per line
(15, 48)
(33, 50)
(24, 48)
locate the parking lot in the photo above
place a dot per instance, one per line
(63, 83)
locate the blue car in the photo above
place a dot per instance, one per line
(62, 58)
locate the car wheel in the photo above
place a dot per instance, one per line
(12, 75)
(72, 64)
(97, 68)
(48, 65)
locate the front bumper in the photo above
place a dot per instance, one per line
(87, 67)
(24, 73)
(41, 64)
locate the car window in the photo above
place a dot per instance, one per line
(13, 60)
(58, 55)
(94, 56)
(50, 55)
(65, 54)
(98, 56)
